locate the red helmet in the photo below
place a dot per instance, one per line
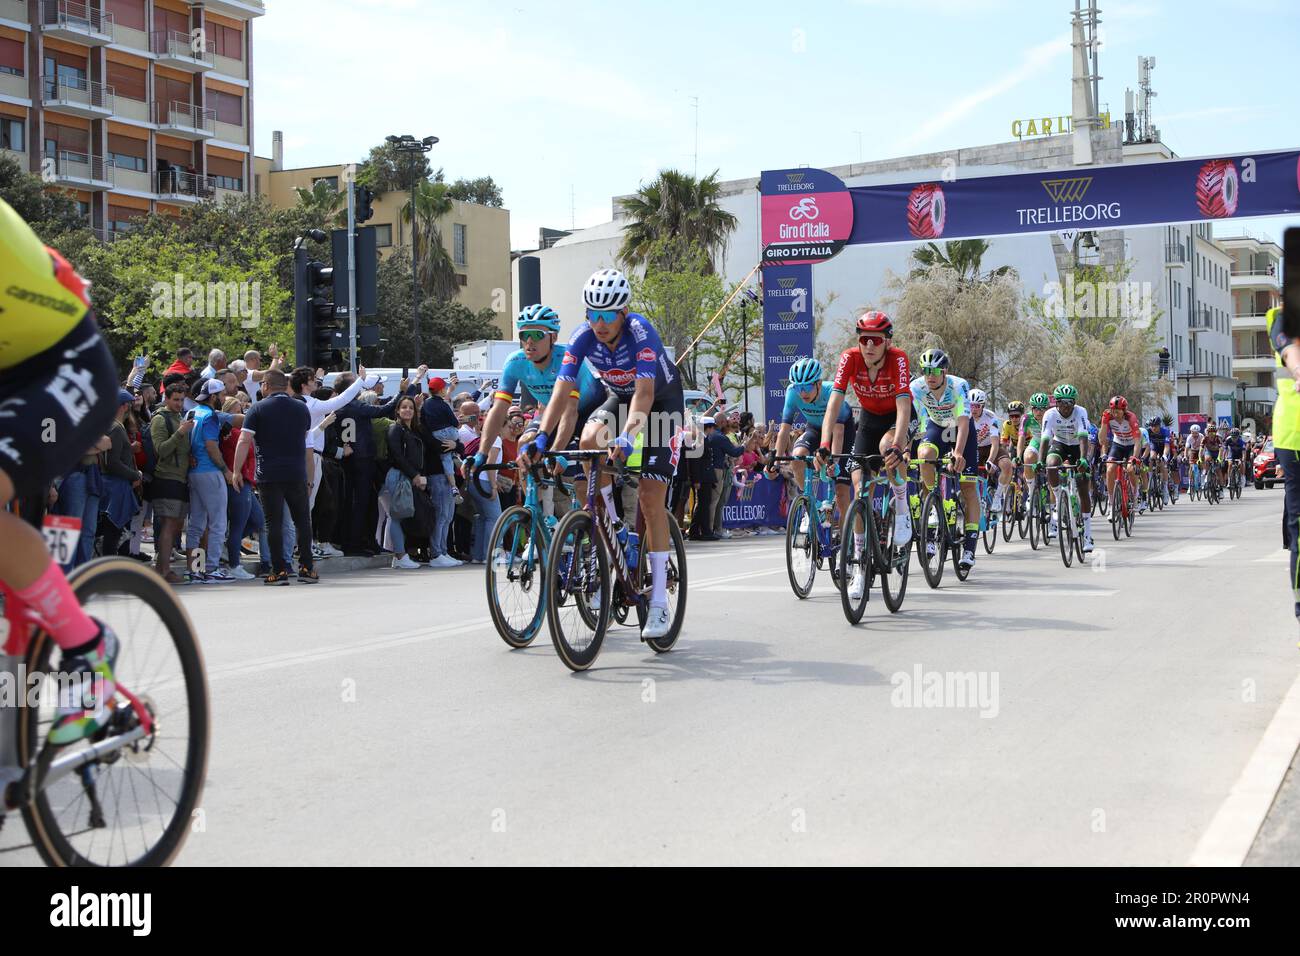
(876, 322)
(1119, 404)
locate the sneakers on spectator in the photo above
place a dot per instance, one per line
(444, 561)
(220, 576)
(195, 577)
(329, 550)
(404, 563)
(308, 576)
(317, 552)
(239, 574)
(277, 577)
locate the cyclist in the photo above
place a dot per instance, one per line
(807, 396)
(1212, 450)
(943, 403)
(534, 368)
(1157, 451)
(643, 385)
(1192, 455)
(56, 379)
(1118, 436)
(880, 378)
(992, 449)
(1235, 449)
(1065, 429)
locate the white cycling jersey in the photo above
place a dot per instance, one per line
(1067, 431)
(986, 426)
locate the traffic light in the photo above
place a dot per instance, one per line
(364, 204)
(319, 336)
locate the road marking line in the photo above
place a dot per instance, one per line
(1194, 552)
(1280, 558)
(1232, 832)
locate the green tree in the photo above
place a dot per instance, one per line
(962, 256)
(52, 213)
(386, 169)
(674, 217)
(437, 273)
(482, 190)
(323, 204)
(443, 325)
(679, 302)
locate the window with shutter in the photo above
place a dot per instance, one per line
(12, 56)
(127, 81)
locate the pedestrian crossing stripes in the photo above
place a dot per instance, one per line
(1190, 553)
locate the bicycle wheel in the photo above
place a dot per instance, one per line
(1130, 509)
(577, 575)
(676, 589)
(855, 560)
(1035, 525)
(991, 520)
(1007, 519)
(1078, 529)
(1045, 516)
(1116, 509)
(957, 543)
(132, 805)
(898, 560)
(801, 547)
(931, 533)
(1022, 511)
(1065, 525)
(516, 577)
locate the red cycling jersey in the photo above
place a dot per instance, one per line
(1123, 430)
(877, 397)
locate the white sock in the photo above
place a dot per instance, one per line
(608, 494)
(1002, 494)
(860, 544)
(658, 578)
(1087, 525)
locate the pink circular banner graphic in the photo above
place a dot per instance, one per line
(807, 216)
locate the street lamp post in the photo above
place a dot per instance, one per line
(407, 143)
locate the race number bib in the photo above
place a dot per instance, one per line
(61, 535)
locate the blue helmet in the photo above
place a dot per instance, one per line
(805, 372)
(540, 317)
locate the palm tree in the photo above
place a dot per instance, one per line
(323, 204)
(437, 273)
(962, 256)
(670, 215)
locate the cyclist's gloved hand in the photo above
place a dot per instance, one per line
(621, 448)
(823, 454)
(539, 444)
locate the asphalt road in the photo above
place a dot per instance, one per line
(376, 717)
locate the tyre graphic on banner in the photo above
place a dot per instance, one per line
(1217, 189)
(927, 210)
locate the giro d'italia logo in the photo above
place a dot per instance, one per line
(927, 211)
(1067, 190)
(1217, 189)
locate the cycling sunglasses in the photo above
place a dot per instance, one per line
(603, 316)
(934, 371)
(532, 335)
(871, 339)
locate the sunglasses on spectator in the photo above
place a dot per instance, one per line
(603, 316)
(871, 339)
(532, 335)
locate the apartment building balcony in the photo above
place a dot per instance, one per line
(1202, 320)
(243, 9)
(230, 133)
(13, 10)
(185, 120)
(12, 85)
(1250, 323)
(1255, 279)
(229, 66)
(1175, 254)
(223, 194)
(173, 185)
(181, 51)
(126, 108)
(79, 170)
(84, 98)
(77, 22)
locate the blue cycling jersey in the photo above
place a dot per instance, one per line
(814, 412)
(539, 382)
(638, 353)
(1158, 439)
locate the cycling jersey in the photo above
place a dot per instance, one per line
(520, 371)
(1194, 441)
(1066, 431)
(950, 404)
(1236, 447)
(986, 426)
(42, 299)
(1031, 428)
(814, 412)
(1211, 444)
(1158, 439)
(638, 353)
(879, 397)
(1123, 430)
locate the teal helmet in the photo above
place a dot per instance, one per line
(539, 317)
(1039, 400)
(1065, 393)
(805, 372)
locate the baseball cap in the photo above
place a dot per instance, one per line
(124, 397)
(215, 386)
(436, 384)
(707, 420)
(370, 381)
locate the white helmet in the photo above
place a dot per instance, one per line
(977, 397)
(606, 289)
(1196, 429)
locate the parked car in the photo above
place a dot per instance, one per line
(1267, 471)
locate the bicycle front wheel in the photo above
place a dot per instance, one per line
(1065, 526)
(855, 560)
(516, 577)
(134, 804)
(577, 591)
(932, 540)
(801, 546)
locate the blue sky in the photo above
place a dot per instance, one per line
(588, 100)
